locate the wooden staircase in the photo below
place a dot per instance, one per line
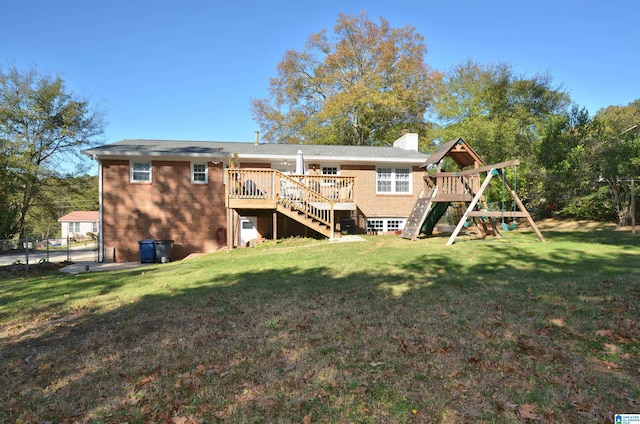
(306, 220)
(308, 199)
(306, 206)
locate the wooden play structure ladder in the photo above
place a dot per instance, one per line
(462, 186)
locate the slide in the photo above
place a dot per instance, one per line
(433, 217)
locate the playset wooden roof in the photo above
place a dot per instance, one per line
(458, 150)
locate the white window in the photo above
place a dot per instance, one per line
(74, 227)
(375, 225)
(403, 180)
(329, 170)
(199, 173)
(140, 172)
(393, 180)
(383, 225)
(328, 184)
(384, 180)
(395, 224)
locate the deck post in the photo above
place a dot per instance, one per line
(332, 221)
(275, 225)
(229, 230)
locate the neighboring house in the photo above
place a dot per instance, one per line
(199, 195)
(78, 223)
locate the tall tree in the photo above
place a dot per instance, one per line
(500, 114)
(567, 178)
(584, 159)
(43, 127)
(59, 196)
(617, 155)
(360, 87)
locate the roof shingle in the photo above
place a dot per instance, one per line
(248, 150)
(80, 216)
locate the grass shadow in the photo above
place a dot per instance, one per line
(384, 331)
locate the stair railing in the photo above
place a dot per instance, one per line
(293, 194)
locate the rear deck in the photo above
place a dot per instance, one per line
(309, 199)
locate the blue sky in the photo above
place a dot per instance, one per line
(188, 69)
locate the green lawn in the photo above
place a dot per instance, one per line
(386, 330)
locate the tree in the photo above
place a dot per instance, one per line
(567, 178)
(59, 196)
(360, 88)
(500, 114)
(584, 158)
(617, 155)
(42, 129)
(8, 217)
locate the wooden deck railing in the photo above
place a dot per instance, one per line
(296, 196)
(452, 186)
(315, 196)
(250, 184)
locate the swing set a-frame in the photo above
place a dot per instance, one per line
(464, 186)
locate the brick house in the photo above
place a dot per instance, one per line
(208, 195)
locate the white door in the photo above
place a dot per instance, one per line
(248, 228)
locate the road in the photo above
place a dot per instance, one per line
(78, 254)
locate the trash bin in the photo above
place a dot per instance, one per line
(163, 250)
(348, 226)
(147, 251)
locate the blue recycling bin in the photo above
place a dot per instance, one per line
(163, 250)
(147, 251)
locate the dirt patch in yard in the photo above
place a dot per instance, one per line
(580, 225)
(19, 270)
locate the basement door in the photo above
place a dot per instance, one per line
(248, 228)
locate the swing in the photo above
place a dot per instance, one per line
(514, 224)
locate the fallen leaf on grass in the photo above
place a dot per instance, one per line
(511, 370)
(569, 379)
(475, 359)
(604, 333)
(185, 420)
(482, 335)
(306, 419)
(612, 349)
(507, 405)
(527, 410)
(453, 374)
(444, 349)
(580, 402)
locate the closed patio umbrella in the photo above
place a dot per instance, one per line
(299, 163)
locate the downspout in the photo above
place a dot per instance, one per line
(100, 216)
